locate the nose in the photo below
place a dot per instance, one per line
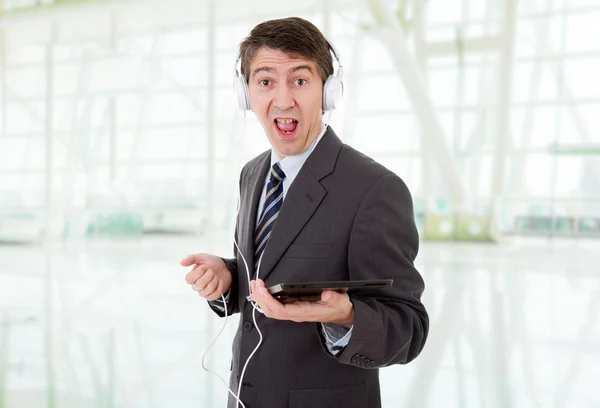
(284, 98)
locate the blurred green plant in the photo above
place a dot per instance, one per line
(117, 224)
(401, 14)
(35, 7)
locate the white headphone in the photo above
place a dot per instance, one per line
(333, 89)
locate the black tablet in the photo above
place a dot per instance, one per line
(312, 290)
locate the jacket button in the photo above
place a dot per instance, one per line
(355, 358)
(371, 364)
(248, 326)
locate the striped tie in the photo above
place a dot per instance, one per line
(273, 200)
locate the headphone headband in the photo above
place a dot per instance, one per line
(336, 56)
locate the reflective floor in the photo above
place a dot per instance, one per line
(113, 324)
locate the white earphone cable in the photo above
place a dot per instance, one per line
(209, 347)
(255, 307)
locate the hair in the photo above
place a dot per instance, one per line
(294, 36)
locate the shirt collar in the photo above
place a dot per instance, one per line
(291, 165)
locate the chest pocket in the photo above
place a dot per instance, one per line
(311, 251)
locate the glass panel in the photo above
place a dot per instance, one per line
(589, 117)
(443, 12)
(27, 82)
(375, 56)
(173, 108)
(581, 77)
(442, 86)
(537, 175)
(582, 30)
(384, 133)
(538, 73)
(381, 92)
(114, 73)
(179, 72)
(24, 54)
(21, 118)
(542, 131)
(228, 36)
(185, 41)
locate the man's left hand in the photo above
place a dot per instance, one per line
(333, 307)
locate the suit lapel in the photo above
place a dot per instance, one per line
(302, 199)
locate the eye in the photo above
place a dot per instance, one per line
(300, 81)
(264, 82)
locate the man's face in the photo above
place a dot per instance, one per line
(286, 96)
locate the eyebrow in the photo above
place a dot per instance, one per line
(261, 69)
(270, 69)
(301, 67)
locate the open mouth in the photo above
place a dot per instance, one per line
(286, 127)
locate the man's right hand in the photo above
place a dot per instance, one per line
(210, 277)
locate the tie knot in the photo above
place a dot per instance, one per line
(276, 173)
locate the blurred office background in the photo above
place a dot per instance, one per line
(120, 146)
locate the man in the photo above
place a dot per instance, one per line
(313, 209)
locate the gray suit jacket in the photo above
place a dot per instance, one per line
(344, 217)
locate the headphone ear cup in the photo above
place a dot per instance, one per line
(333, 91)
(241, 91)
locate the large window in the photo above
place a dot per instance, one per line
(134, 111)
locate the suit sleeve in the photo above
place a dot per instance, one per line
(390, 325)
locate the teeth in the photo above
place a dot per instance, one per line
(285, 120)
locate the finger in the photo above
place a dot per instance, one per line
(258, 297)
(287, 300)
(210, 287)
(193, 259)
(204, 280)
(302, 311)
(328, 296)
(253, 293)
(195, 274)
(216, 294)
(302, 303)
(268, 302)
(254, 284)
(188, 260)
(254, 287)
(331, 297)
